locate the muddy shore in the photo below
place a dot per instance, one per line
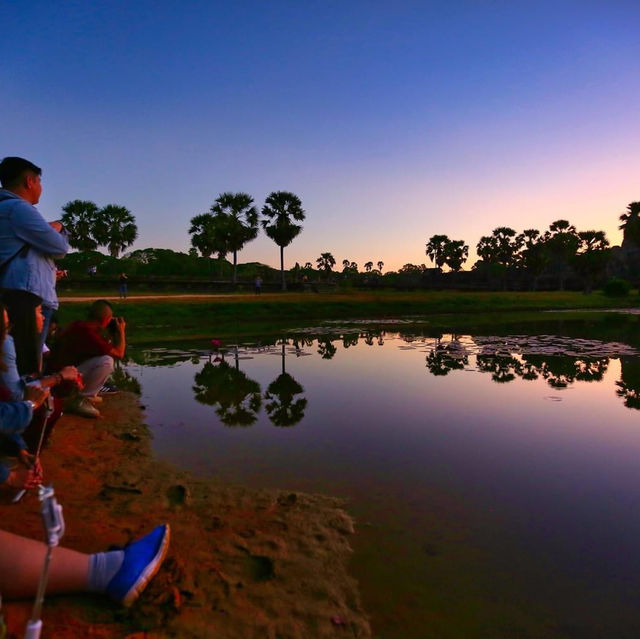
(243, 563)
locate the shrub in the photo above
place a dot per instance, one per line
(616, 287)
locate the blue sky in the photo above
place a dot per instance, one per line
(391, 121)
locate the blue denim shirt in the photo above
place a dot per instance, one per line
(33, 269)
(14, 418)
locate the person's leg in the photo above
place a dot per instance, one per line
(95, 372)
(21, 562)
(121, 574)
(47, 313)
(21, 307)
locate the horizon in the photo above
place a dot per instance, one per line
(391, 123)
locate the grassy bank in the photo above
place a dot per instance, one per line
(164, 318)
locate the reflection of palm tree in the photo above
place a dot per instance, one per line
(629, 384)
(350, 340)
(238, 398)
(503, 368)
(283, 408)
(441, 362)
(325, 348)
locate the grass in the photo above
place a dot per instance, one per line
(165, 319)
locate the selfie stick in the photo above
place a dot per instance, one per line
(53, 530)
(22, 492)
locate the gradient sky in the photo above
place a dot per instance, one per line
(391, 121)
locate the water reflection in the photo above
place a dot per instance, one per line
(237, 398)
(629, 385)
(281, 403)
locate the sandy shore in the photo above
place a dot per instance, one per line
(243, 563)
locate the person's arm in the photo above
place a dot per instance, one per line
(119, 341)
(33, 229)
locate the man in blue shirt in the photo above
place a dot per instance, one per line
(28, 246)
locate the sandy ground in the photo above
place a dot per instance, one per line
(243, 564)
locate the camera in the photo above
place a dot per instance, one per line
(112, 326)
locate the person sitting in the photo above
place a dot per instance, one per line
(83, 344)
(120, 574)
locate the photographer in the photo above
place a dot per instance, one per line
(91, 346)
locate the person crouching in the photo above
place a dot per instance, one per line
(91, 346)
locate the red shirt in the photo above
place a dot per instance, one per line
(77, 343)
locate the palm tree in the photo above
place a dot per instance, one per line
(116, 228)
(380, 264)
(435, 249)
(631, 224)
(241, 218)
(81, 217)
(368, 267)
(456, 253)
(280, 208)
(326, 262)
(209, 235)
(562, 242)
(592, 256)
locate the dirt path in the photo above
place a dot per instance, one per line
(243, 564)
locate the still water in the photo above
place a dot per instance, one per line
(495, 480)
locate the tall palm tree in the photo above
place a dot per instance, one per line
(326, 262)
(368, 267)
(81, 217)
(116, 228)
(380, 264)
(280, 210)
(631, 224)
(241, 219)
(435, 249)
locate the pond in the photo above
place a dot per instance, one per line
(495, 480)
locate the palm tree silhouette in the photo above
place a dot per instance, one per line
(236, 212)
(81, 217)
(115, 228)
(279, 212)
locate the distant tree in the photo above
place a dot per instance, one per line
(353, 267)
(279, 212)
(240, 217)
(345, 265)
(380, 265)
(592, 256)
(562, 243)
(456, 253)
(116, 228)
(193, 252)
(308, 266)
(368, 267)
(326, 262)
(501, 247)
(435, 249)
(81, 218)
(630, 226)
(534, 257)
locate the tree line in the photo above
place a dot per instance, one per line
(233, 220)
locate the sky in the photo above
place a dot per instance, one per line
(392, 121)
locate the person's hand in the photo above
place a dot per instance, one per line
(60, 274)
(121, 324)
(56, 226)
(22, 477)
(69, 373)
(36, 394)
(26, 458)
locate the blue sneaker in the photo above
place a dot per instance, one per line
(142, 560)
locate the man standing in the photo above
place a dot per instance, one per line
(83, 344)
(28, 246)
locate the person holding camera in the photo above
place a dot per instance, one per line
(91, 346)
(28, 246)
